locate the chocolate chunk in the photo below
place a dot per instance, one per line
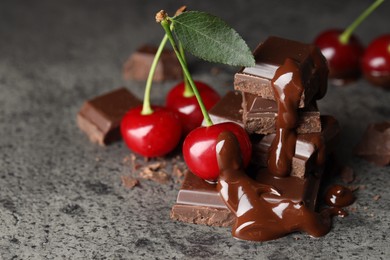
(198, 202)
(307, 148)
(202, 215)
(129, 182)
(138, 65)
(270, 55)
(375, 144)
(259, 116)
(228, 109)
(100, 117)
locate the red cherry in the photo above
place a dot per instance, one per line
(188, 107)
(151, 135)
(343, 59)
(199, 149)
(376, 62)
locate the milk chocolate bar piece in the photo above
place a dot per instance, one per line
(270, 55)
(228, 109)
(259, 116)
(307, 149)
(100, 117)
(138, 65)
(199, 202)
(375, 144)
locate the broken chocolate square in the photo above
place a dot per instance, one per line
(270, 55)
(375, 144)
(138, 65)
(259, 116)
(100, 117)
(228, 109)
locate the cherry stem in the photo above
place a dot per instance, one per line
(146, 108)
(187, 87)
(167, 29)
(344, 37)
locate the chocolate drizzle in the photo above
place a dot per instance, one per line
(287, 86)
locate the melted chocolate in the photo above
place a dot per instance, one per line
(339, 196)
(256, 218)
(287, 85)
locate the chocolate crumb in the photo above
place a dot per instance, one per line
(153, 172)
(376, 197)
(179, 173)
(129, 182)
(347, 174)
(156, 166)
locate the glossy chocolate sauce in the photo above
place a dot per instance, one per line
(339, 196)
(287, 86)
(258, 219)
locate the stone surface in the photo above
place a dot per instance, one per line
(61, 197)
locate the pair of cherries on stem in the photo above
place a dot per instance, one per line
(347, 58)
(159, 132)
(158, 129)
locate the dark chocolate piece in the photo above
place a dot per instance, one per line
(198, 202)
(259, 116)
(270, 55)
(375, 144)
(202, 215)
(228, 109)
(138, 65)
(308, 152)
(100, 117)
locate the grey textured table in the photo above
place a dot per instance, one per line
(62, 197)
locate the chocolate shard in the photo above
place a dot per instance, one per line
(228, 109)
(270, 55)
(100, 117)
(259, 116)
(375, 144)
(138, 65)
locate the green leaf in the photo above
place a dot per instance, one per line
(210, 38)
